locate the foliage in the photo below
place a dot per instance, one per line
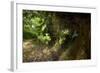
(35, 23)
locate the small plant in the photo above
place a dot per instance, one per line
(62, 35)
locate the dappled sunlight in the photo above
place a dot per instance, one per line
(56, 36)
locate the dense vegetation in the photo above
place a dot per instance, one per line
(53, 36)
